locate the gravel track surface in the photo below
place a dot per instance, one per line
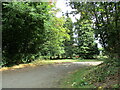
(47, 76)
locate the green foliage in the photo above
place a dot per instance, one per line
(108, 29)
(68, 44)
(23, 30)
(105, 18)
(56, 34)
(116, 86)
(101, 19)
(77, 79)
(88, 77)
(30, 30)
(104, 74)
(86, 47)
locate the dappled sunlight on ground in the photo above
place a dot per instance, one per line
(17, 67)
(89, 63)
(47, 62)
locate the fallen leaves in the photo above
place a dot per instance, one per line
(17, 67)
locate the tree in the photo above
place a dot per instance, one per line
(23, 30)
(87, 48)
(107, 27)
(56, 35)
(68, 44)
(30, 30)
(105, 17)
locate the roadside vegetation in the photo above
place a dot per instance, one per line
(105, 75)
(33, 35)
(31, 30)
(107, 31)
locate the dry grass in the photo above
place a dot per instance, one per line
(42, 62)
(17, 67)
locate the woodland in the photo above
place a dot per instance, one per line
(31, 30)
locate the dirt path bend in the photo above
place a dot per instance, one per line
(47, 76)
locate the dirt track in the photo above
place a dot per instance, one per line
(47, 76)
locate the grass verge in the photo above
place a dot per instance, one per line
(105, 75)
(76, 79)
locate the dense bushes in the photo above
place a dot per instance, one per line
(31, 30)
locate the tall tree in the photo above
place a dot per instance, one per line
(23, 30)
(30, 29)
(56, 34)
(68, 44)
(87, 48)
(105, 16)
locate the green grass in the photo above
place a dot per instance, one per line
(88, 76)
(77, 79)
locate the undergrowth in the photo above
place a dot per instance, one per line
(105, 75)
